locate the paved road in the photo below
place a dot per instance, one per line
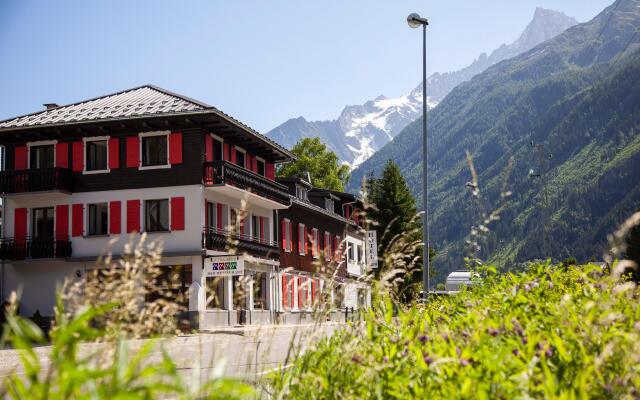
(246, 353)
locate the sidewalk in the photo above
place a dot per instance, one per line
(243, 352)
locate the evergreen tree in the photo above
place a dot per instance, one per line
(393, 209)
(322, 165)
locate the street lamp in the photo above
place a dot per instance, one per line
(414, 20)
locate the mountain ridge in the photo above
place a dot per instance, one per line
(362, 129)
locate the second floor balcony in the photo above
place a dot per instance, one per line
(29, 248)
(224, 240)
(220, 173)
(36, 180)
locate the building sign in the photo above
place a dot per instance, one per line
(372, 249)
(223, 266)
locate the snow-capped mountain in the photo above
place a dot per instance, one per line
(361, 130)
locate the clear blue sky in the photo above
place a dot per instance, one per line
(261, 61)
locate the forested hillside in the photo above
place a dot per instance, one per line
(570, 110)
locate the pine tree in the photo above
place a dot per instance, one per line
(393, 209)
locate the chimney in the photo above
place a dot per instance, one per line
(50, 106)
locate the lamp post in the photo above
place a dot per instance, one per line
(414, 20)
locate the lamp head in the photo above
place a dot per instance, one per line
(414, 20)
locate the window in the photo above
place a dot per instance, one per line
(98, 219)
(233, 221)
(217, 149)
(288, 235)
(360, 254)
(303, 292)
(154, 150)
(41, 157)
(350, 252)
(260, 291)
(328, 203)
(42, 222)
(156, 215)
(215, 293)
(240, 156)
(327, 246)
(315, 245)
(301, 239)
(261, 168)
(255, 227)
(212, 214)
(96, 155)
(301, 192)
(336, 248)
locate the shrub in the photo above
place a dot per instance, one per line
(549, 332)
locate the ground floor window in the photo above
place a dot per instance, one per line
(215, 293)
(362, 298)
(260, 291)
(98, 219)
(172, 283)
(240, 292)
(338, 295)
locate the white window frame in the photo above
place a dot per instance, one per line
(41, 143)
(244, 152)
(84, 155)
(316, 237)
(143, 214)
(87, 233)
(287, 235)
(150, 134)
(301, 228)
(329, 205)
(327, 250)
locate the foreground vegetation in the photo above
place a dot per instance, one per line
(551, 332)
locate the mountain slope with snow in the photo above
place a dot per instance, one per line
(361, 130)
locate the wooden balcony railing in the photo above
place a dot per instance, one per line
(36, 180)
(223, 240)
(224, 172)
(33, 248)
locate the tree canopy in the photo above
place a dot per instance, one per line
(321, 163)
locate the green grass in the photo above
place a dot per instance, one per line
(548, 333)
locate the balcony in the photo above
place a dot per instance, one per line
(220, 173)
(34, 248)
(223, 240)
(36, 180)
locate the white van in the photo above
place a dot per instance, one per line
(457, 279)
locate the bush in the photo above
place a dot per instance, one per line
(549, 332)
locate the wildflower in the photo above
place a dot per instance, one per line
(385, 359)
(516, 352)
(423, 338)
(549, 352)
(464, 362)
(493, 331)
(550, 285)
(427, 360)
(356, 359)
(524, 340)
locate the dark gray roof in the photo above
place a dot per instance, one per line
(311, 206)
(139, 102)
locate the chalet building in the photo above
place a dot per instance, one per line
(77, 177)
(322, 251)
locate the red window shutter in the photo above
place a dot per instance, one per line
(241, 223)
(261, 228)
(254, 159)
(233, 154)
(219, 215)
(62, 221)
(77, 223)
(21, 154)
(115, 214)
(208, 147)
(284, 290)
(175, 148)
(133, 216)
(283, 234)
(306, 241)
(62, 155)
(270, 171)
(300, 292)
(177, 213)
(227, 152)
(133, 152)
(300, 238)
(313, 290)
(77, 153)
(114, 153)
(20, 223)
